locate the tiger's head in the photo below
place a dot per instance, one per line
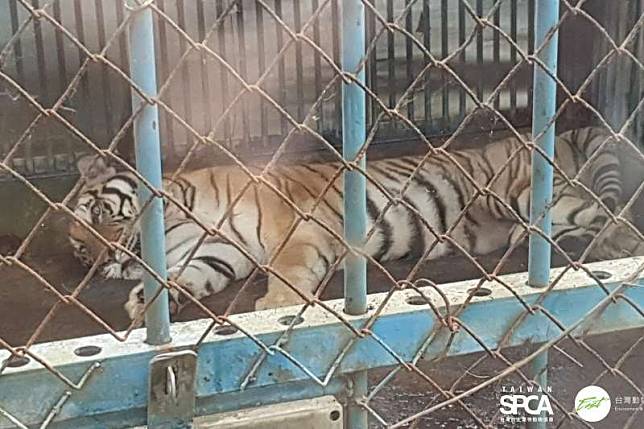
(108, 203)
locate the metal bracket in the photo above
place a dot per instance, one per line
(171, 394)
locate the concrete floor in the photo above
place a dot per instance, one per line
(24, 302)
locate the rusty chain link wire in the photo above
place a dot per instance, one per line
(304, 122)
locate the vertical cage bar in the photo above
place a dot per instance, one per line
(223, 77)
(357, 417)
(62, 78)
(531, 15)
(120, 16)
(17, 45)
(462, 106)
(205, 75)
(614, 111)
(85, 113)
(391, 58)
(126, 146)
(299, 69)
(164, 71)
(444, 52)
(261, 64)
(633, 73)
(479, 51)
(107, 93)
(17, 55)
(513, 58)
(496, 51)
(243, 72)
(637, 81)
(317, 65)
(427, 84)
(353, 137)
(355, 205)
(543, 116)
(409, 60)
(620, 82)
(45, 96)
(335, 30)
(281, 67)
(148, 163)
(60, 49)
(538, 370)
(372, 67)
(185, 72)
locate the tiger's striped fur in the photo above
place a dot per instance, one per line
(431, 205)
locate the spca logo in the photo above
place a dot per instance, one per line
(530, 404)
(529, 400)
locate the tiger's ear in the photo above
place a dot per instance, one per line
(94, 169)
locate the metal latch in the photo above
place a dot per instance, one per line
(171, 394)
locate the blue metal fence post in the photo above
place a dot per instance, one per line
(148, 163)
(354, 128)
(543, 112)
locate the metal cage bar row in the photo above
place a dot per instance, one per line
(436, 112)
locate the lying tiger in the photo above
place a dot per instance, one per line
(260, 219)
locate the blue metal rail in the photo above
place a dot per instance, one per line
(115, 394)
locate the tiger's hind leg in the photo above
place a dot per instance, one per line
(303, 264)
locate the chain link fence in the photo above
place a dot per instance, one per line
(447, 330)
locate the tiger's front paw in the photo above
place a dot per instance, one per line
(135, 305)
(112, 270)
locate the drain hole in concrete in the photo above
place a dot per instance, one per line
(602, 275)
(415, 300)
(483, 291)
(86, 351)
(16, 361)
(224, 330)
(288, 320)
(335, 415)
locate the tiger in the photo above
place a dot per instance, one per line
(423, 196)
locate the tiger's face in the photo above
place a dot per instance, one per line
(87, 247)
(108, 203)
